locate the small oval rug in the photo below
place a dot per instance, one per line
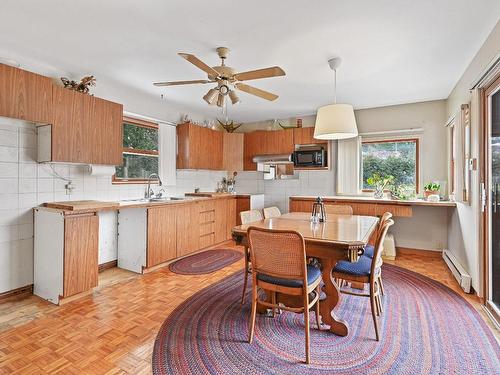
(426, 328)
(205, 262)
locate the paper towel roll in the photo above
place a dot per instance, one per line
(101, 170)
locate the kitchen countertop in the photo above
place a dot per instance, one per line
(211, 194)
(85, 206)
(367, 199)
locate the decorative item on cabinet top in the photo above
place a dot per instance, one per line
(230, 127)
(83, 86)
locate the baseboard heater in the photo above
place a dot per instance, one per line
(463, 278)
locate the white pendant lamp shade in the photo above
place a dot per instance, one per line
(335, 121)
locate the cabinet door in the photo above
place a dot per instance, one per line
(188, 233)
(71, 141)
(263, 142)
(25, 95)
(232, 151)
(230, 217)
(106, 131)
(214, 150)
(81, 249)
(305, 136)
(161, 235)
(221, 220)
(242, 204)
(252, 145)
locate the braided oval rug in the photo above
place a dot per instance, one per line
(426, 328)
(205, 262)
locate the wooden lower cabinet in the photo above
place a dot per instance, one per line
(358, 208)
(187, 217)
(80, 253)
(161, 242)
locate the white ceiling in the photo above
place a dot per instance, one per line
(393, 52)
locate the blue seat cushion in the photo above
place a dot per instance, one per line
(360, 268)
(369, 251)
(313, 274)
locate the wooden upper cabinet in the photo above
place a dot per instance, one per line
(86, 129)
(71, 141)
(162, 238)
(199, 148)
(232, 151)
(25, 95)
(263, 142)
(106, 130)
(305, 136)
(81, 251)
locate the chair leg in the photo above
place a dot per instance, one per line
(318, 317)
(253, 313)
(374, 309)
(379, 302)
(273, 301)
(381, 285)
(306, 327)
(246, 277)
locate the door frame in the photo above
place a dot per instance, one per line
(488, 89)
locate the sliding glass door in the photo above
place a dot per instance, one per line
(493, 216)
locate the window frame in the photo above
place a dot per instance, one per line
(125, 150)
(416, 140)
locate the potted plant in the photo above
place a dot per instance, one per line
(431, 188)
(379, 183)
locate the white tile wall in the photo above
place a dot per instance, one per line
(25, 184)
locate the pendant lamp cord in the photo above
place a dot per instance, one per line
(335, 86)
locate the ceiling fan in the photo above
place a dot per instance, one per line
(225, 77)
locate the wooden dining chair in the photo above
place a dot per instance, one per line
(270, 212)
(369, 249)
(279, 266)
(367, 271)
(338, 209)
(248, 217)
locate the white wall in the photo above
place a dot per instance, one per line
(463, 234)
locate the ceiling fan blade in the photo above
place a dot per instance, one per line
(274, 71)
(175, 83)
(200, 64)
(257, 92)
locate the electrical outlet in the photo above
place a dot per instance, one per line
(69, 188)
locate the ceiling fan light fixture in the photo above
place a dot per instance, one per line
(221, 101)
(211, 96)
(234, 97)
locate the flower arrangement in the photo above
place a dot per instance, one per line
(379, 183)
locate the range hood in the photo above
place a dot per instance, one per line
(273, 159)
(275, 167)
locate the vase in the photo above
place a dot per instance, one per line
(378, 193)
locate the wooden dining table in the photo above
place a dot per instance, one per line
(340, 237)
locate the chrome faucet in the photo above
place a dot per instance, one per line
(149, 192)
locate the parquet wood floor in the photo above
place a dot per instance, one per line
(112, 331)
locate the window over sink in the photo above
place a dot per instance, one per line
(140, 151)
(394, 157)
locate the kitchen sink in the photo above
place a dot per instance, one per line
(146, 200)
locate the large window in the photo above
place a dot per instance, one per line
(140, 151)
(397, 158)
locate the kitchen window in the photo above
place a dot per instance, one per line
(395, 157)
(140, 151)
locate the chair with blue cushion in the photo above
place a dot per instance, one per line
(369, 249)
(279, 267)
(367, 271)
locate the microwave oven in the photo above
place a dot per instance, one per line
(310, 158)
